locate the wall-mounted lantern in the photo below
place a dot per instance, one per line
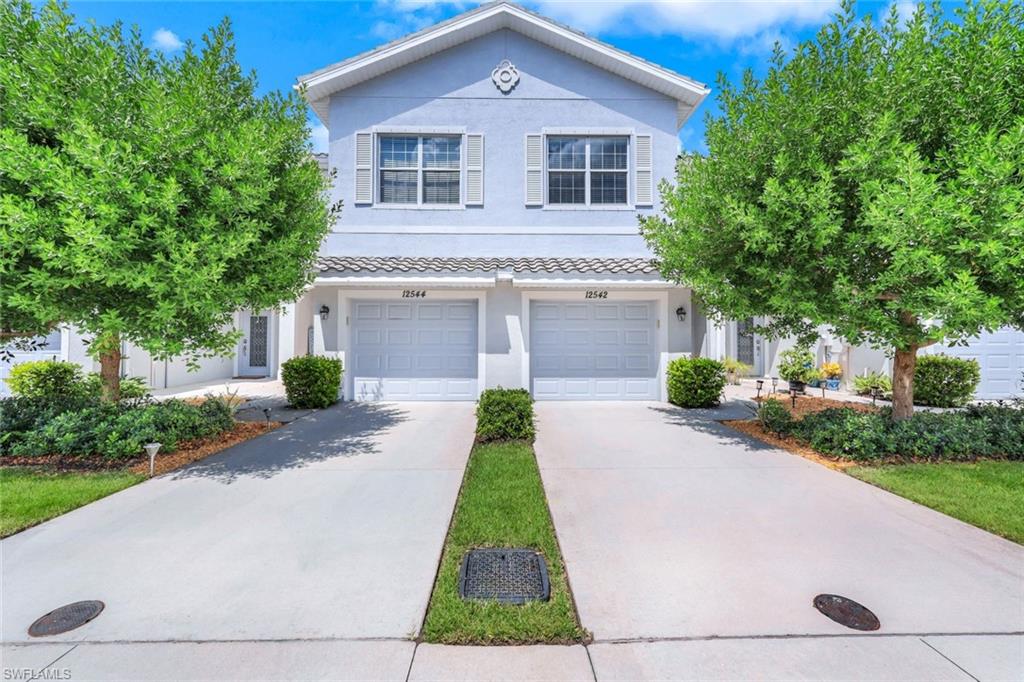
(324, 312)
(681, 313)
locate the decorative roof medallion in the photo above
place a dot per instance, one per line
(505, 76)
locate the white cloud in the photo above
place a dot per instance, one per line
(721, 19)
(166, 40)
(763, 44)
(318, 137)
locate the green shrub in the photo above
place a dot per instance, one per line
(797, 364)
(504, 414)
(120, 431)
(58, 380)
(695, 382)
(943, 381)
(774, 417)
(46, 379)
(311, 381)
(863, 385)
(984, 431)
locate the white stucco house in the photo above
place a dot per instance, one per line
(492, 168)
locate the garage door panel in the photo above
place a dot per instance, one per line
(574, 363)
(1000, 356)
(399, 311)
(415, 351)
(576, 338)
(429, 311)
(399, 337)
(602, 350)
(545, 338)
(368, 311)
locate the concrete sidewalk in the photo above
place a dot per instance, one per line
(995, 658)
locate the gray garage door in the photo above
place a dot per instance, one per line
(593, 350)
(414, 350)
(1001, 357)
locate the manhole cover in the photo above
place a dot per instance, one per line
(512, 576)
(846, 612)
(65, 618)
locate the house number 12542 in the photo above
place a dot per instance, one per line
(594, 293)
(414, 293)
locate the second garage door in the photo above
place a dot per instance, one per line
(1001, 357)
(591, 350)
(414, 350)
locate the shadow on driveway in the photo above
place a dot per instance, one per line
(709, 421)
(348, 429)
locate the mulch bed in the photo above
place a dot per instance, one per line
(188, 451)
(805, 404)
(752, 427)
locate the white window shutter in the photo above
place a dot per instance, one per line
(644, 170)
(364, 168)
(534, 170)
(474, 170)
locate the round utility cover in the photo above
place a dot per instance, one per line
(66, 618)
(846, 612)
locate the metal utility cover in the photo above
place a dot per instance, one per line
(846, 612)
(510, 576)
(65, 618)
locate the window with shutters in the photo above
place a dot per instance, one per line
(588, 170)
(419, 169)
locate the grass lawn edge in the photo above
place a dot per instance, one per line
(481, 518)
(872, 474)
(130, 475)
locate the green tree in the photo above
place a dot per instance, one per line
(142, 197)
(872, 183)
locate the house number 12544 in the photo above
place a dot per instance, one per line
(594, 293)
(414, 293)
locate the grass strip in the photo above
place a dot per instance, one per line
(987, 494)
(31, 496)
(501, 504)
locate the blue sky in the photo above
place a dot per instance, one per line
(281, 40)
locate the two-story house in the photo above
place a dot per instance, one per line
(492, 168)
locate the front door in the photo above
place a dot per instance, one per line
(254, 354)
(746, 345)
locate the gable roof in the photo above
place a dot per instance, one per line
(487, 18)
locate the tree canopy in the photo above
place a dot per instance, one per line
(871, 182)
(144, 197)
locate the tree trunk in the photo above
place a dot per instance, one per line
(903, 382)
(110, 369)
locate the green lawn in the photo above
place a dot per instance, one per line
(987, 494)
(28, 496)
(501, 504)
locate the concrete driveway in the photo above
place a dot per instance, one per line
(676, 528)
(329, 528)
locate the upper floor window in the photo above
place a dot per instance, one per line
(420, 169)
(588, 170)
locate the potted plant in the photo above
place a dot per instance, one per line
(734, 369)
(796, 366)
(832, 373)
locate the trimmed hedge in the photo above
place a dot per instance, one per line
(695, 382)
(979, 431)
(113, 431)
(59, 380)
(505, 414)
(311, 381)
(943, 381)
